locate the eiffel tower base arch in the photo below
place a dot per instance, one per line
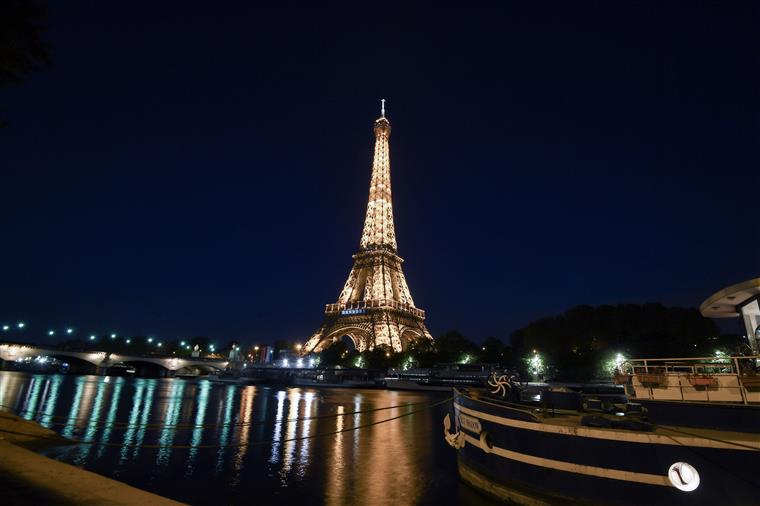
(368, 330)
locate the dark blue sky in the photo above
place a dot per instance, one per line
(198, 169)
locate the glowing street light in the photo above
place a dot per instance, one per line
(150, 339)
(129, 341)
(21, 325)
(160, 344)
(113, 336)
(6, 327)
(299, 346)
(51, 332)
(182, 343)
(69, 330)
(256, 348)
(92, 337)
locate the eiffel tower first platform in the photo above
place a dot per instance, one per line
(375, 307)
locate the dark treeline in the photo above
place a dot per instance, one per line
(578, 344)
(581, 341)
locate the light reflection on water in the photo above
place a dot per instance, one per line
(263, 457)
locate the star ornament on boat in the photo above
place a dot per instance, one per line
(501, 384)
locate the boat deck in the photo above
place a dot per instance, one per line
(571, 423)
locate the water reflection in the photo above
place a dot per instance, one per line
(236, 445)
(200, 416)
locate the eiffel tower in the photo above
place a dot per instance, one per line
(375, 307)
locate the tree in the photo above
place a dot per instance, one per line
(454, 347)
(22, 50)
(492, 351)
(335, 354)
(579, 340)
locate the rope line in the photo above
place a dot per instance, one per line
(717, 440)
(263, 443)
(156, 426)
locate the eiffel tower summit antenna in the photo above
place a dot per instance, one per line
(375, 307)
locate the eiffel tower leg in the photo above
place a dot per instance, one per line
(314, 341)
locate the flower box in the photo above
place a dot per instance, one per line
(702, 381)
(652, 380)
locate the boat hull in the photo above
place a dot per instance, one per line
(508, 454)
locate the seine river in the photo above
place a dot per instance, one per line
(204, 443)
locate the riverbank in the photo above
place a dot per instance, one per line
(27, 477)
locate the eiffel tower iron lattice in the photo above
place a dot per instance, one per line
(375, 307)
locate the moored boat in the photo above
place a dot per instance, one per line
(571, 448)
(442, 377)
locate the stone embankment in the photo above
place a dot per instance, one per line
(27, 477)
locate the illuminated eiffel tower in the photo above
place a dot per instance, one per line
(375, 307)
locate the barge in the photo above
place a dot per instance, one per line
(673, 440)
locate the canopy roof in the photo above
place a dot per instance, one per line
(727, 302)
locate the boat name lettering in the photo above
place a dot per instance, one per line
(470, 423)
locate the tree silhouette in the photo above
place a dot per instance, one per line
(22, 49)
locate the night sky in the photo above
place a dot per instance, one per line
(203, 169)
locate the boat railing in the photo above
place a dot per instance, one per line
(719, 378)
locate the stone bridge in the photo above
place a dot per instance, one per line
(103, 360)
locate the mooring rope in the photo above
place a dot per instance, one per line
(261, 443)
(702, 436)
(156, 426)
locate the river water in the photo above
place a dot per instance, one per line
(230, 444)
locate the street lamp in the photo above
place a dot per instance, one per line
(113, 336)
(92, 337)
(299, 346)
(51, 332)
(256, 348)
(6, 327)
(129, 341)
(21, 325)
(160, 344)
(182, 343)
(69, 330)
(150, 339)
